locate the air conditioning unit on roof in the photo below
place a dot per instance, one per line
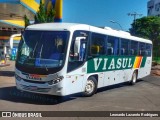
(108, 28)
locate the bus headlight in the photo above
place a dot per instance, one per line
(57, 80)
(17, 77)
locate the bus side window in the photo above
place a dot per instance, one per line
(110, 50)
(123, 51)
(125, 46)
(134, 48)
(97, 46)
(142, 48)
(148, 49)
(132, 52)
(112, 46)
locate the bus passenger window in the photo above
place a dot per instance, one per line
(110, 50)
(125, 47)
(142, 48)
(97, 44)
(148, 49)
(112, 46)
(134, 48)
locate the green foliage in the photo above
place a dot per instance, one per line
(147, 27)
(43, 15)
(26, 21)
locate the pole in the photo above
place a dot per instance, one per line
(134, 14)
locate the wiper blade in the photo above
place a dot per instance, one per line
(23, 39)
(34, 49)
(41, 51)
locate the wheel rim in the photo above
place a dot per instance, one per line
(134, 77)
(89, 86)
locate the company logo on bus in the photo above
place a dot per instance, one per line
(104, 63)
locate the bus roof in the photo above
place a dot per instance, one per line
(57, 26)
(76, 26)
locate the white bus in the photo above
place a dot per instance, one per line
(65, 58)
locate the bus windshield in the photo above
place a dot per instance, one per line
(43, 48)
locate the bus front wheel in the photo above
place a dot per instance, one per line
(91, 87)
(134, 78)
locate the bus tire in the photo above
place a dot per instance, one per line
(134, 78)
(91, 87)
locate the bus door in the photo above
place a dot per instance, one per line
(76, 68)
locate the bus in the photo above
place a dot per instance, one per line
(67, 58)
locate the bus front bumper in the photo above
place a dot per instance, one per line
(40, 88)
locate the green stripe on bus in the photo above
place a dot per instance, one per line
(143, 61)
(110, 63)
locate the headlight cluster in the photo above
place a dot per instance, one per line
(17, 77)
(58, 79)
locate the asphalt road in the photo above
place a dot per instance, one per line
(144, 96)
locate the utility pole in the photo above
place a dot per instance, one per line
(134, 14)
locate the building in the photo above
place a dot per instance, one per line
(153, 7)
(12, 18)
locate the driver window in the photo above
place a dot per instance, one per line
(77, 53)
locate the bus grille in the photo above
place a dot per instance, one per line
(30, 81)
(34, 88)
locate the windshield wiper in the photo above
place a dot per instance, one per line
(34, 49)
(23, 39)
(41, 56)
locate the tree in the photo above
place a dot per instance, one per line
(26, 21)
(43, 15)
(147, 27)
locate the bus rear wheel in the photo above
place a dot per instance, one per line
(134, 78)
(91, 87)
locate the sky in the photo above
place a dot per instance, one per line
(101, 12)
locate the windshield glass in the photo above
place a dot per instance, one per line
(42, 48)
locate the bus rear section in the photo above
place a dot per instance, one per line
(118, 58)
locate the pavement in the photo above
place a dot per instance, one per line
(156, 70)
(143, 96)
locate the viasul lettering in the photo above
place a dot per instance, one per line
(103, 64)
